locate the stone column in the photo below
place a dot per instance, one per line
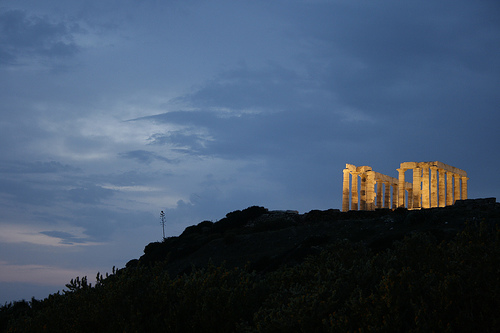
(345, 191)
(401, 188)
(434, 186)
(425, 188)
(387, 195)
(362, 204)
(464, 187)
(354, 191)
(379, 194)
(410, 198)
(442, 188)
(395, 196)
(370, 190)
(449, 189)
(417, 185)
(457, 187)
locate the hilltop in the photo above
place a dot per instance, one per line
(257, 270)
(264, 240)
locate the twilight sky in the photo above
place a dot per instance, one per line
(111, 111)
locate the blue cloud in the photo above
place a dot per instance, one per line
(26, 167)
(65, 237)
(23, 35)
(91, 194)
(144, 156)
(23, 192)
(181, 142)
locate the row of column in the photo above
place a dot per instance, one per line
(432, 186)
(367, 195)
(445, 192)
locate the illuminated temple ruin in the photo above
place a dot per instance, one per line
(434, 184)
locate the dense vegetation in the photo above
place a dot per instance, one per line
(418, 284)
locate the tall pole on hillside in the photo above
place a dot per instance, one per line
(162, 222)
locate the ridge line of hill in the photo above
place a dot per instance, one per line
(264, 240)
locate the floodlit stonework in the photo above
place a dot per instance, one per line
(434, 184)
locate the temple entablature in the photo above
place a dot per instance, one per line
(434, 184)
(439, 165)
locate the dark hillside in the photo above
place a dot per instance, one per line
(433, 270)
(265, 240)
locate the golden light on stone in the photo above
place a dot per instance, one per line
(435, 184)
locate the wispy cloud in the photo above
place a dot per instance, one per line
(29, 234)
(66, 238)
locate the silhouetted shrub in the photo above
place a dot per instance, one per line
(205, 226)
(153, 247)
(200, 228)
(238, 219)
(193, 229)
(322, 216)
(276, 223)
